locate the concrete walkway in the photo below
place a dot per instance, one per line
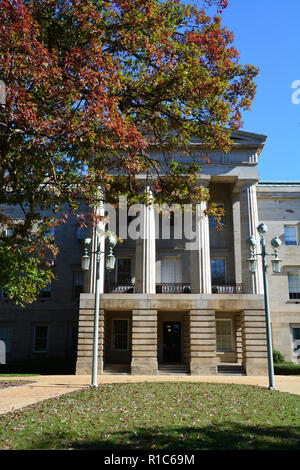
(49, 386)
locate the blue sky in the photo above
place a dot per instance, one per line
(267, 34)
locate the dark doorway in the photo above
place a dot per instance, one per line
(172, 342)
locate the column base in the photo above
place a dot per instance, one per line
(85, 367)
(203, 366)
(256, 367)
(144, 366)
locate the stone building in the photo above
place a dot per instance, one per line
(169, 308)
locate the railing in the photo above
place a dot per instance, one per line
(232, 288)
(113, 288)
(174, 288)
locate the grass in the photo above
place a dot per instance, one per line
(162, 416)
(18, 375)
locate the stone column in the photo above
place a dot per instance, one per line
(145, 251)
(203, 342)
(255, 357)
(252, 283)
(200, 268)
(85, 337)
(144, 342)
(236, 216)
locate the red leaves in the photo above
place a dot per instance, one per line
(93, 86)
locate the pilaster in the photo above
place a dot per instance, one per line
(255, 357)
(252, 283)
(144, 342)
(203, 342)
(85, 341)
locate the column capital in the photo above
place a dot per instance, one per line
(240, 184)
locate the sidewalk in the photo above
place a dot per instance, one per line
(49, 386)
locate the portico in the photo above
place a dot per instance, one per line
(193, 297)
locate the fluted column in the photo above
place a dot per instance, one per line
(145, 251)
(252, 283)
(236, 216)
(200, 255)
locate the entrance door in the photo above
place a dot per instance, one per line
(172, 342)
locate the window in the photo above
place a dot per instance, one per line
(218, 274)
(5, 336)
(212, 221)
(290, 235)
(294, 285)
(124, 271)
(40, 338)
(171, 270)
(120, 335)
(45, 292)
(296, 339)
(77, 284)
(81, 233)
(3, 295)
(224, 335)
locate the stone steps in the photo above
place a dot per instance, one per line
(173, 369)
(116, 369)
(230, 369)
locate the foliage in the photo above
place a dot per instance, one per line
(287, 368)
(158, 416)
(278, 357)
(97, 88)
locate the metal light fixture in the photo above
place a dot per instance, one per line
(252, 265)
(276, 268)
(85, 265)
(262, 229)
(85, 259)
(110, 258)
(276, 265)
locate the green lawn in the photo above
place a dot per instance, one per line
(18, 375)
(178, 416)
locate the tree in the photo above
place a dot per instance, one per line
(91, 88)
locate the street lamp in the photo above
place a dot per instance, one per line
(276, 267)
(85, 265)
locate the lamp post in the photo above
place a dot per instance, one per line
(276, 267)
(85, 265)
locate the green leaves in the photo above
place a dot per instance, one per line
(98, 87)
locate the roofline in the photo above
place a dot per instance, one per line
(278, 183)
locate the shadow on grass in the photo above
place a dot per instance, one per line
(225, 436)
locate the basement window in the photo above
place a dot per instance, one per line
(224, 335)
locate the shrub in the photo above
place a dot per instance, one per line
(287, 368)
(278, 357)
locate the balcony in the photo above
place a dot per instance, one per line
(115, 288)
(230, 288)
(173, 288)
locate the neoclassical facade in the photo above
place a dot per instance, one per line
(169, 308)
(172, 304)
